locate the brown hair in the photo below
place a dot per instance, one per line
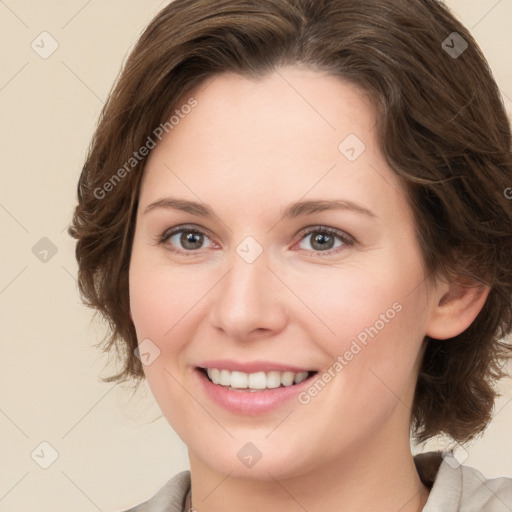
(442, 128)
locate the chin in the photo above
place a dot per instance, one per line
(257, 461)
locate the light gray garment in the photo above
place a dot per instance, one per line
(453, 488)
(169, 498)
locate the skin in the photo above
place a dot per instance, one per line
(249, 149)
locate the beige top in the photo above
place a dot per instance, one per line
(453, 488)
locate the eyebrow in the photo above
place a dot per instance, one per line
(293, 210)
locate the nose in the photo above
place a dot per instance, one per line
(250, 300)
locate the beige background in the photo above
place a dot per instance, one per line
(113, 452)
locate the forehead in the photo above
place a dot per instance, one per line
(289, 104)
(294, 132)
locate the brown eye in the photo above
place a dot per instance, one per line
(323, 239)
(184, 240)
(191, 240)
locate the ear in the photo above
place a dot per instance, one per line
(457, 304)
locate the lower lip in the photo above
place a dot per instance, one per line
(251, 403)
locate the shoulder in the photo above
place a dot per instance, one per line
(170, 497)
(456, 487)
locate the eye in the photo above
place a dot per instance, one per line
(188, 239)
(324, 240)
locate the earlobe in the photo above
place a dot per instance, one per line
(457, 308)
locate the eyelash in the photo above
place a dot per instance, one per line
(343, 237)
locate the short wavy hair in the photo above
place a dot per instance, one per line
(442, 127)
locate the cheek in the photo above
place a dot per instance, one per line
(165, 304)
(351, 301)
(376, 319)
(159, 296)
(147, 304)
(157, 305)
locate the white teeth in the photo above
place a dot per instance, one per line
(225, 378)
(273, 380)
(287, 378)
(239, 380)
(258, 380)
(299, 377)
(214, 374)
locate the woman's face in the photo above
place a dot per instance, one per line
(260, 285)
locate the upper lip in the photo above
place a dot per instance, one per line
(251, 366)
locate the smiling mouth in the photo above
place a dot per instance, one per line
(253, 382)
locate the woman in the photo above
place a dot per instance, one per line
(294, 216)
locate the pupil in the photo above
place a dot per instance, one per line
(190, 238)
(321, 239)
